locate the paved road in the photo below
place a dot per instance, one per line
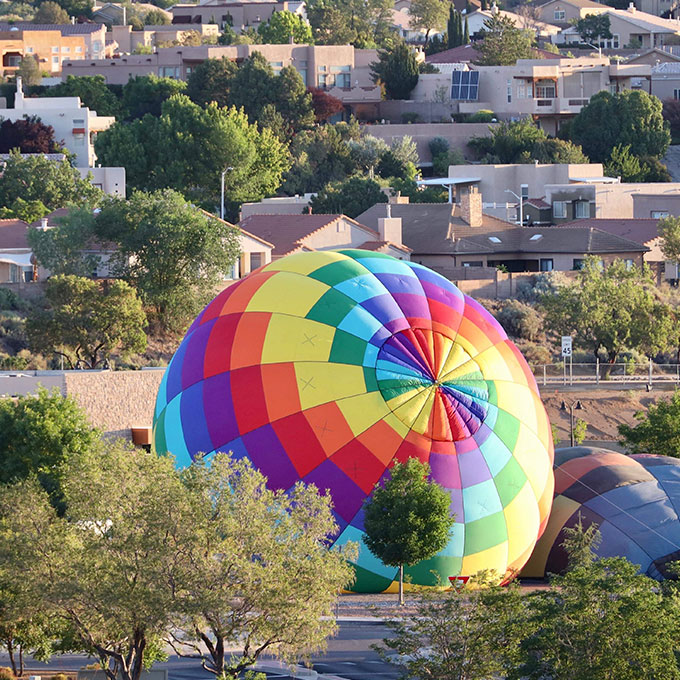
(349, 656)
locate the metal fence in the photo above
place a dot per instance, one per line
(567, 373)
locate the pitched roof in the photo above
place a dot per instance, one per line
(287, 232)
(641, 231)
(13, 234)
(537, 203)
(431, 227)
(588, 4)
(66, 29)
(649, 22)
(576, 240)
(467, 53)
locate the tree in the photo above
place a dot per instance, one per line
(363, 23)
(453, 28)
(508, 141)
(599, 621)
(594, 28)
(502, 42)
(104, 568)
(367, 152)
(554, 151)
(324, 105)
(469, 633)
(55, 183)
(85, 321)
(29, 70)
(192, 251)
(319, 156)
(609, 310)
(49, 12)
(28, 135)
(39, 433)
(189, 146)
(146, 94)
(78, 8)
(624, 165)
(292, 100)
(253, 85)
(280, 602)
(351, 197)
(397, 70)
(429, 15)
(629, 118)
(407, 518)
(156, 18)
(657, 431)
(283, 26)
(28, 211)
(210, 81)
(92, 91)
(669, 230)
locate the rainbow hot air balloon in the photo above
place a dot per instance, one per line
(633, 500)
(328, 366)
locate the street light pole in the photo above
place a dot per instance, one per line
(574, 406)
(521, 207)
(224, 172)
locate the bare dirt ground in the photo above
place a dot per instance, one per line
(603, 410)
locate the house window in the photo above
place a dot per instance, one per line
(545, 89)
(276, 67)
(29, 50)
(578, 263)
(474, 263)
(629, 264)
(509, 89)
(559, 209)
(79, 49)
(169, 71)
(659, 214)
(55, 50)
(66, 50)
(341, 76)
(581, 209)
(611, 43)
(546, 264)
(301, 66)
(55, 60)
(560, 15)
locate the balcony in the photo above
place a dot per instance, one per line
(356, 94)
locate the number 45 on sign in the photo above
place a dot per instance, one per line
(566, 354)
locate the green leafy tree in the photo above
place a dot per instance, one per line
(555, 151)
(189, 146)
(49, 12)
(469, 633)
(192, 251)
(581, 543)
(407, 518)
(509, 141)
(253, 85)
(36, 178)
(351, 197)
(669, 230)
(608, 310)
(86, 321)
(28, 211)
(210, 81)
(593, 28)
(657, 431)
(453, 28)
(629, 118)
(430, 15)
(280, 603)
(41, 432)
(367, 152)
(29, 70)
(319, 156)
(156, 18)
(282, 27)
(397, 70)
(103, 568)
(146, 94)
(92, 91)
(503, 43)
(78, 8)
(600, 621)
(624, 165)
(363, 23)
(292, 100)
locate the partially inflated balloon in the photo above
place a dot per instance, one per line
(326, 367)
(633, 500)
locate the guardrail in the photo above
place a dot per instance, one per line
(567, 373)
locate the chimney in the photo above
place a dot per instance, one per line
(389, 227)
(631, 7)
(19, 96)
(398, 199)
(43, 223)
(471, 206)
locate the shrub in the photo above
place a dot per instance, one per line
(9, 300)
(483, 116)
(520, 320)
(6, 674)
(12, 363)
(410, 117)
(535, 353)
(438, 145)
(545, 283)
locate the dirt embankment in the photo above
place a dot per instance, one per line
(603, 410)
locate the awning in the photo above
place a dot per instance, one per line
(19, 259)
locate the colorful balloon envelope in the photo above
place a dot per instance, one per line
(634, 500)
(327, 367)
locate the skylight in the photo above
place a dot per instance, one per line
(536, 237)
(494, 239)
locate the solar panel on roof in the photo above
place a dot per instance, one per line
(465, 85)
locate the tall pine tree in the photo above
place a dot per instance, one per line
(451, 27)
(466, 33)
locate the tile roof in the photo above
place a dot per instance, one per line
(577, 3)
(537, 203)
(576, 240)
(66, 29)
(431, 227)
(13, 234)
(287, 232)
(468, 53)
(649, 22)
(640, 231)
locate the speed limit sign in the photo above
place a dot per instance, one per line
(566, 345)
